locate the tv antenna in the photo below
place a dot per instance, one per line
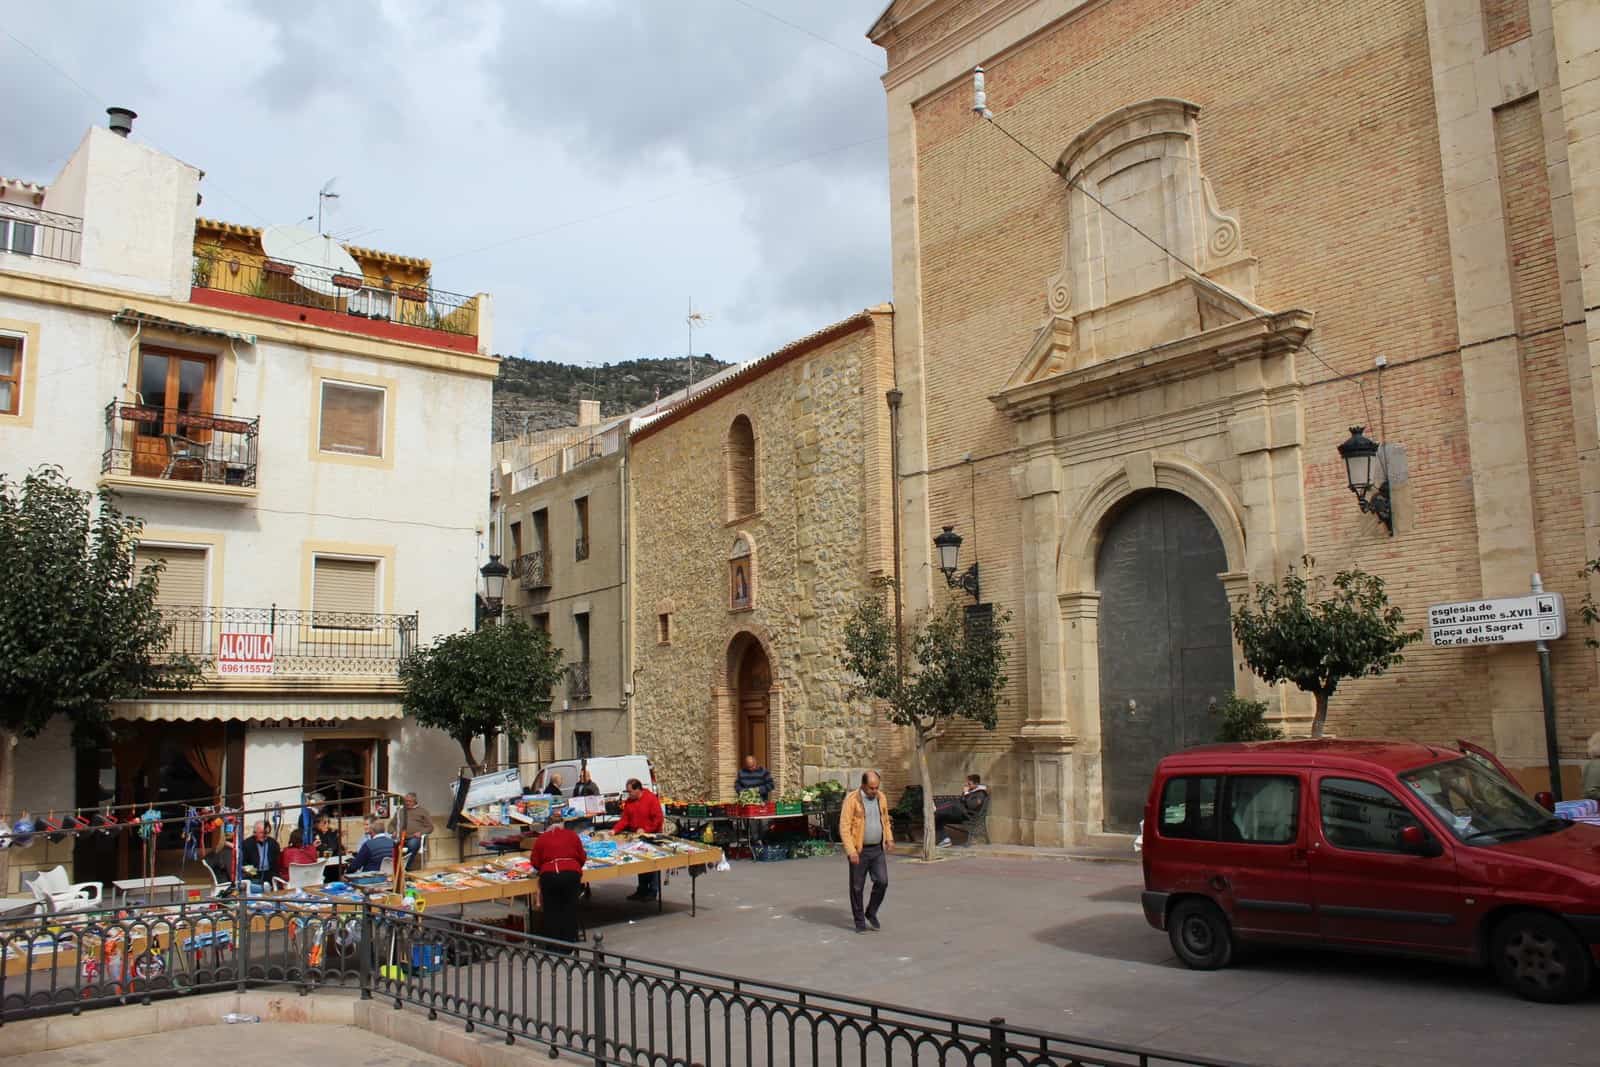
(325, 194)
(693, 320)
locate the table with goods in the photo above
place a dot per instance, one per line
(793, 825)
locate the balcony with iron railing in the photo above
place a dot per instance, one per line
(319, 296)
(531, 570)
(306, 645)
(34, 233)
(578, 680)
(580, 549)
(154, 449)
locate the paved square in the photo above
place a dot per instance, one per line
(1064, 946)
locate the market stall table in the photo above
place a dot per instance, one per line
(170, 882)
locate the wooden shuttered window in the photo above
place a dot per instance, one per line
(352, 419)
(341, 588)
(10, 376)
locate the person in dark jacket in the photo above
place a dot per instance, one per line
(974, 798)
(559, 857)
(377, 847)
(258, 858)
(586, 787)
(554, 788)
(754, 776)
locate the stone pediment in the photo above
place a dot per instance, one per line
(1149, 263)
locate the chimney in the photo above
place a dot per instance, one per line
(588, 413)
(121, 120)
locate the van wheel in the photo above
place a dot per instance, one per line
(1200, 934)
(1540, 958)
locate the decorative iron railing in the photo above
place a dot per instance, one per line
(309, 285)
(180, 446)
(605, 1008)
(39, 234)
(578, 680)
(531, 570)
(580, 548)
(303, 643)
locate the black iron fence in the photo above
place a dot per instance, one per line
(605, 1007)
(180, 446)
(303, 643)
(309, 285)
(531, 570)
(36, 233)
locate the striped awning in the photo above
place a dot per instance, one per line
(262, 711)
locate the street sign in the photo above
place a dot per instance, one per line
(244, 653)
(1504, 621)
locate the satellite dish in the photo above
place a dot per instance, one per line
(315, 258)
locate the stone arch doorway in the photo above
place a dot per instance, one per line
(1165, 642)
(750, 677)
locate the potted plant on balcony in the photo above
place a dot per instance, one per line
(349, 281)
(273, 266)
(413, 292)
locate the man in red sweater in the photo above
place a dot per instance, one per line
(559, 857)
(641, 813)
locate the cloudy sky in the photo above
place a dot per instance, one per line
(595, 164)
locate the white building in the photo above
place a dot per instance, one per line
(307, 460)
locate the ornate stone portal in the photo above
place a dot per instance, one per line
(1154, 369)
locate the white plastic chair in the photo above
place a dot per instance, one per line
(386, 866)
(52, 890)
(301, 875)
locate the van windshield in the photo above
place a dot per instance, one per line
(1478, 805)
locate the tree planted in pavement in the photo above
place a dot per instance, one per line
(79, 625)
(957, 671)
(1305, 630)
(482, 683)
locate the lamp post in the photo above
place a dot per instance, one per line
(494, 585)
(1364, 471)
(948, 544)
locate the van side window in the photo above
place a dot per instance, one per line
(1362, 815)
(1189, 808)
(1262, 809)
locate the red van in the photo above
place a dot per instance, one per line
(1383, 846)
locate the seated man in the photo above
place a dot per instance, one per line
(375, 848)
(974, 799)
(417, 822)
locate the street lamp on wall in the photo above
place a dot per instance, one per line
(1364, 470)
(494, 584)
(949, 545)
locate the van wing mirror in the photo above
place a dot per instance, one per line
(1416, 840)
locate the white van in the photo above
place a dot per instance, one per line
(610, 773)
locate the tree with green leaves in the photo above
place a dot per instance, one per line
(79, 626)
(957, 672)
(1303, 630)
(1588, 610)
(482, 683)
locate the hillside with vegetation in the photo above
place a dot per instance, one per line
(533, 394)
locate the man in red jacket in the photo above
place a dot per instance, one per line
(641, 813)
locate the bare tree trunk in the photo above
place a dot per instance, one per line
(1321, 718)
(929, 831)
(466, 750)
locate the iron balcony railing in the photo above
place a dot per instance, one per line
(531, 570)
(601, 1007)
(304, 643)
(578, 680)
(580, 548)
(180, 446)
(39, 234)
(308, 285)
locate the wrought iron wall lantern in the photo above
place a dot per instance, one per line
(949, 546)
(1365, 471)
(494, 584)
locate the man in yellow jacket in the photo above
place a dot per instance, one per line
(867, 837)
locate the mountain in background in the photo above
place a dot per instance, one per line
(533, 394)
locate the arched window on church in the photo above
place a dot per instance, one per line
(741, 575)
(739, 469)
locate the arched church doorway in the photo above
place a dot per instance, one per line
(1165, 643)
(752, 684)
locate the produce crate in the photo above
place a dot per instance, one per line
(788, 809)
(697, 811)
(769, 853)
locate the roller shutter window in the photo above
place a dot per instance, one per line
(352, 419)
(344, 593)
(181, 594)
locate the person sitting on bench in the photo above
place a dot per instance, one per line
(972, 802)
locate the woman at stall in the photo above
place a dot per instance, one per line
(559, 857)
